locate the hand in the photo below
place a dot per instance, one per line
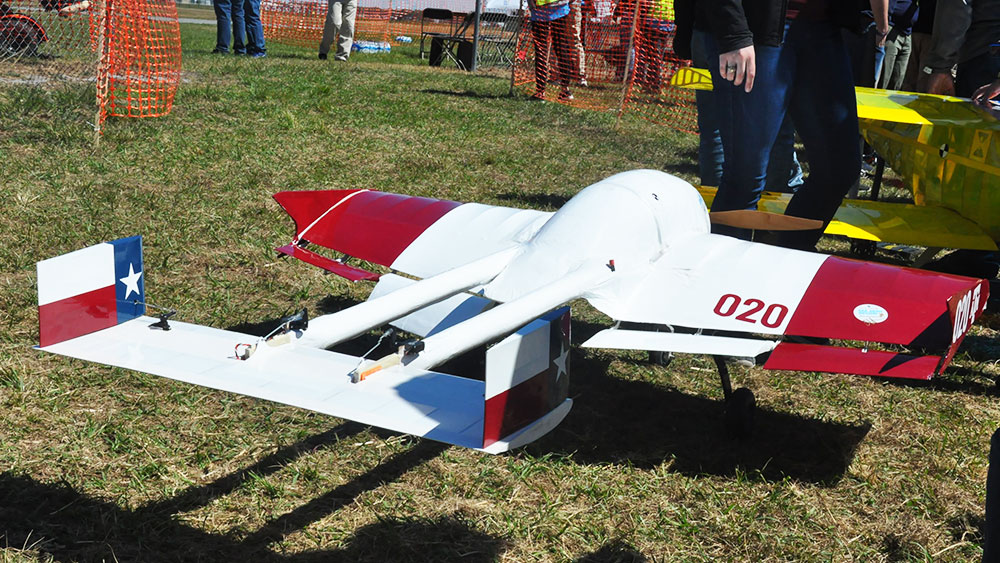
(987, 92)
(941, 83)
(880, 35)
(739, 67)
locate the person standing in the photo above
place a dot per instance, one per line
(339, 24)
(920, 42)
(255, 29)
(759, 74)
(902, 15)
(965, 32)
(551, 28)
(229, 16)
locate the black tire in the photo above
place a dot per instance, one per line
(739, 414)
(660, 358)
(17, 35)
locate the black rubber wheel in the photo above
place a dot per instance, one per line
(739, 415)
(18, 35)
(660, 358)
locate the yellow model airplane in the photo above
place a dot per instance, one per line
(946, 149)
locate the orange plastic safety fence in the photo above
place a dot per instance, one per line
(609, 56)
(141, 63)
(300, 22)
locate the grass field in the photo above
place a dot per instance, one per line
(110, 465)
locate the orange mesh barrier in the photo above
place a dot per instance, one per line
(130, 48)
(141, 64)
(300, 22)
(626, 64)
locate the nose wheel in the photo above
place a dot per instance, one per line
(740, 404)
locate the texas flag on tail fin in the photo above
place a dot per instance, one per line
(527, 376)
(89, 290)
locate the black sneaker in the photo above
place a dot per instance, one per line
(322, 56)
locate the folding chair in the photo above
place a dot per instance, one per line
(498, 38)
(433, 18)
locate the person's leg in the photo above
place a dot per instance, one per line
(222, 23)
(889, 62)
(919, 44)
(903, 50)
(576, 22)
(748, 126)
(784, 173)
(540, 31)
(329, 27)
(346, 30)
(825, 114)
(567, 65)
(255, 28)
(239, 28)
(709, 142)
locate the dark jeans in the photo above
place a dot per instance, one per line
(255, 29)
(229, 13)
(784, 174)
(809, 77)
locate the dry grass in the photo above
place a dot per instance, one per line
(106, 464)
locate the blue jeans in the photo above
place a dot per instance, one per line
(809, 77)
(784, 173)
(255, 29)
(229, 12)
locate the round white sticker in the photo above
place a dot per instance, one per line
(870, 314)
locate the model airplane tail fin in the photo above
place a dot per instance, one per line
(90, 289)
(527, 382)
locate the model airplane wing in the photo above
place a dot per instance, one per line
(91, 307)
(796, 294)
(413, 235)
(890, 222)
(873, 103)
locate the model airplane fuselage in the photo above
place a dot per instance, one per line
(636, 245)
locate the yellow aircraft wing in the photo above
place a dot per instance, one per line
(889, 222)
(875, 104)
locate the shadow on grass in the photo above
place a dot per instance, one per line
(686, 164)
(615, 552)
(616, 421)
(535, 201)
(57, 520)
(467, 94)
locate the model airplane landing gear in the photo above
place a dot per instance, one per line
(740, 404)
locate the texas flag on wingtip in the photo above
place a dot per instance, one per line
(90, 289)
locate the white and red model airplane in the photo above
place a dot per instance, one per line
(637, 246)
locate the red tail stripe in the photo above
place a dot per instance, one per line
(76, 316)
(373, 226)
(914, 299)
(516, 407)
(833, 359)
